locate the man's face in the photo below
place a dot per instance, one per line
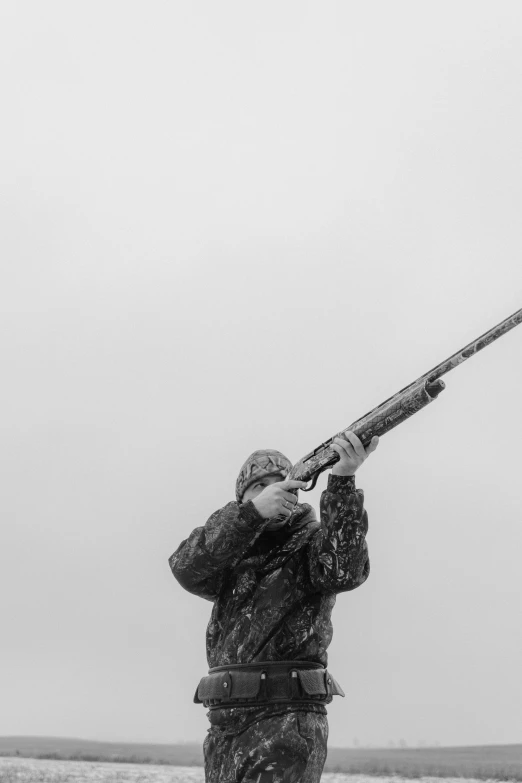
(258, 486)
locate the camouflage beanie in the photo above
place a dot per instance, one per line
(265, 462)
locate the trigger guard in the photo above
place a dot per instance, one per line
(314, 482)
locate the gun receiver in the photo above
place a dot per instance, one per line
(399, 407)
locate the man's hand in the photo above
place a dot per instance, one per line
(351, 452)
(276, 500)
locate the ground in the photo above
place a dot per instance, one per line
(21, 770)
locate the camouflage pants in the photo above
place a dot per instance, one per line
(288, 748)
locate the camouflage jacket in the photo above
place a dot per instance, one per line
(274, 591)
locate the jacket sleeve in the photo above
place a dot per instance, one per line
(200, 562)
(337, 554)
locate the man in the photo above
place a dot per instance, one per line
(273, 573)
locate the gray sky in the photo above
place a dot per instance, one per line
(230, 226)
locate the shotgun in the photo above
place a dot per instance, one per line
(397, 408)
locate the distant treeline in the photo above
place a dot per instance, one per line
(497, 762)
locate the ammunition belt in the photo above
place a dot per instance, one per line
(267, 682)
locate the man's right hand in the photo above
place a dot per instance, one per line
(276, 500)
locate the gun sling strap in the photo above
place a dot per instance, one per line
(267, 682)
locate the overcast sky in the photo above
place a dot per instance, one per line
(240, 225)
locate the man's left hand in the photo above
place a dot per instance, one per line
(351, 452)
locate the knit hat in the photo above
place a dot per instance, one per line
(265, 462)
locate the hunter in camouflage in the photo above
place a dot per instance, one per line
(273, 572)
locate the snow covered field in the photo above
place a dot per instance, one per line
(20, 770)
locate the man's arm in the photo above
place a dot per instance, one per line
(200, 562)
(337, 555)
